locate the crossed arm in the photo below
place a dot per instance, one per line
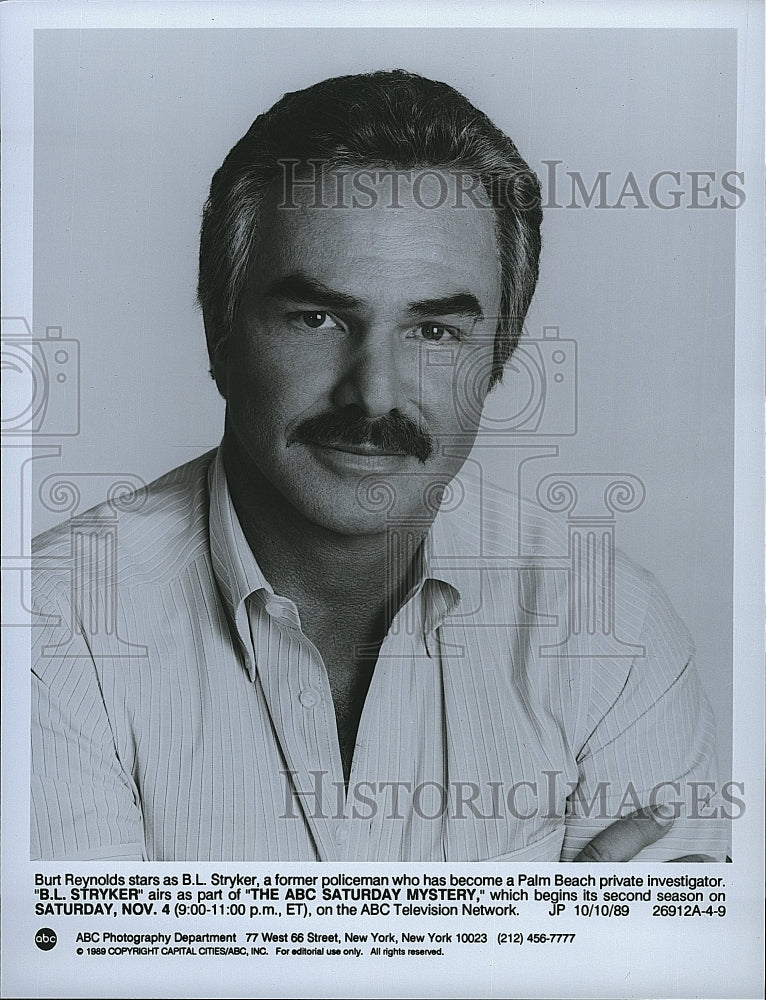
(627, 837)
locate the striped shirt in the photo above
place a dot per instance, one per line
(180, 714)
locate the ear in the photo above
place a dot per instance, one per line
(218, 374)
(216, 347)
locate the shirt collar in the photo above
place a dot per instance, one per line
(234, 565)
(453, 550)
(450, 571)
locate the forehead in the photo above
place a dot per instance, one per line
(386, 229)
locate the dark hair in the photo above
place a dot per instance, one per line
(392, 119)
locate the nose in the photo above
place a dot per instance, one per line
(372, 377)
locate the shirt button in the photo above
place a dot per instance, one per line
(309, 698)
(341, 833)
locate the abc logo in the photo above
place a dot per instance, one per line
(45, 939)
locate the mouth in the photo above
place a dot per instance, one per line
(366, 449)
(349, 434)
(344, 459)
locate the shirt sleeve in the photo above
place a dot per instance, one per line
(84, 803)
(654, 745)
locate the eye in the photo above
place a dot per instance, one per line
(316, 320)
(436, 332)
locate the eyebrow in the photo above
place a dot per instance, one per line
(459, 304)
(304, 289)
(300, 287)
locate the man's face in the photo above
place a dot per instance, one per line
(360, 360)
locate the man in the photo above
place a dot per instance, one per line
(317, 644)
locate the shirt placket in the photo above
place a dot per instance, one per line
(398, 748)
(299, 700)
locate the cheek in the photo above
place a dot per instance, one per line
(453, 392)
(277, 378)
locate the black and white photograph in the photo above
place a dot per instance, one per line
(381, 436)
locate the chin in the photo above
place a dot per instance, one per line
(367, 504)
(349, 523)
(368, 509)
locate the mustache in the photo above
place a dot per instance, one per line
(393, 433)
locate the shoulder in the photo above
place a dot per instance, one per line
(565, 566)
(151, 531)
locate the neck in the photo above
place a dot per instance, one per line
(310, 563)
